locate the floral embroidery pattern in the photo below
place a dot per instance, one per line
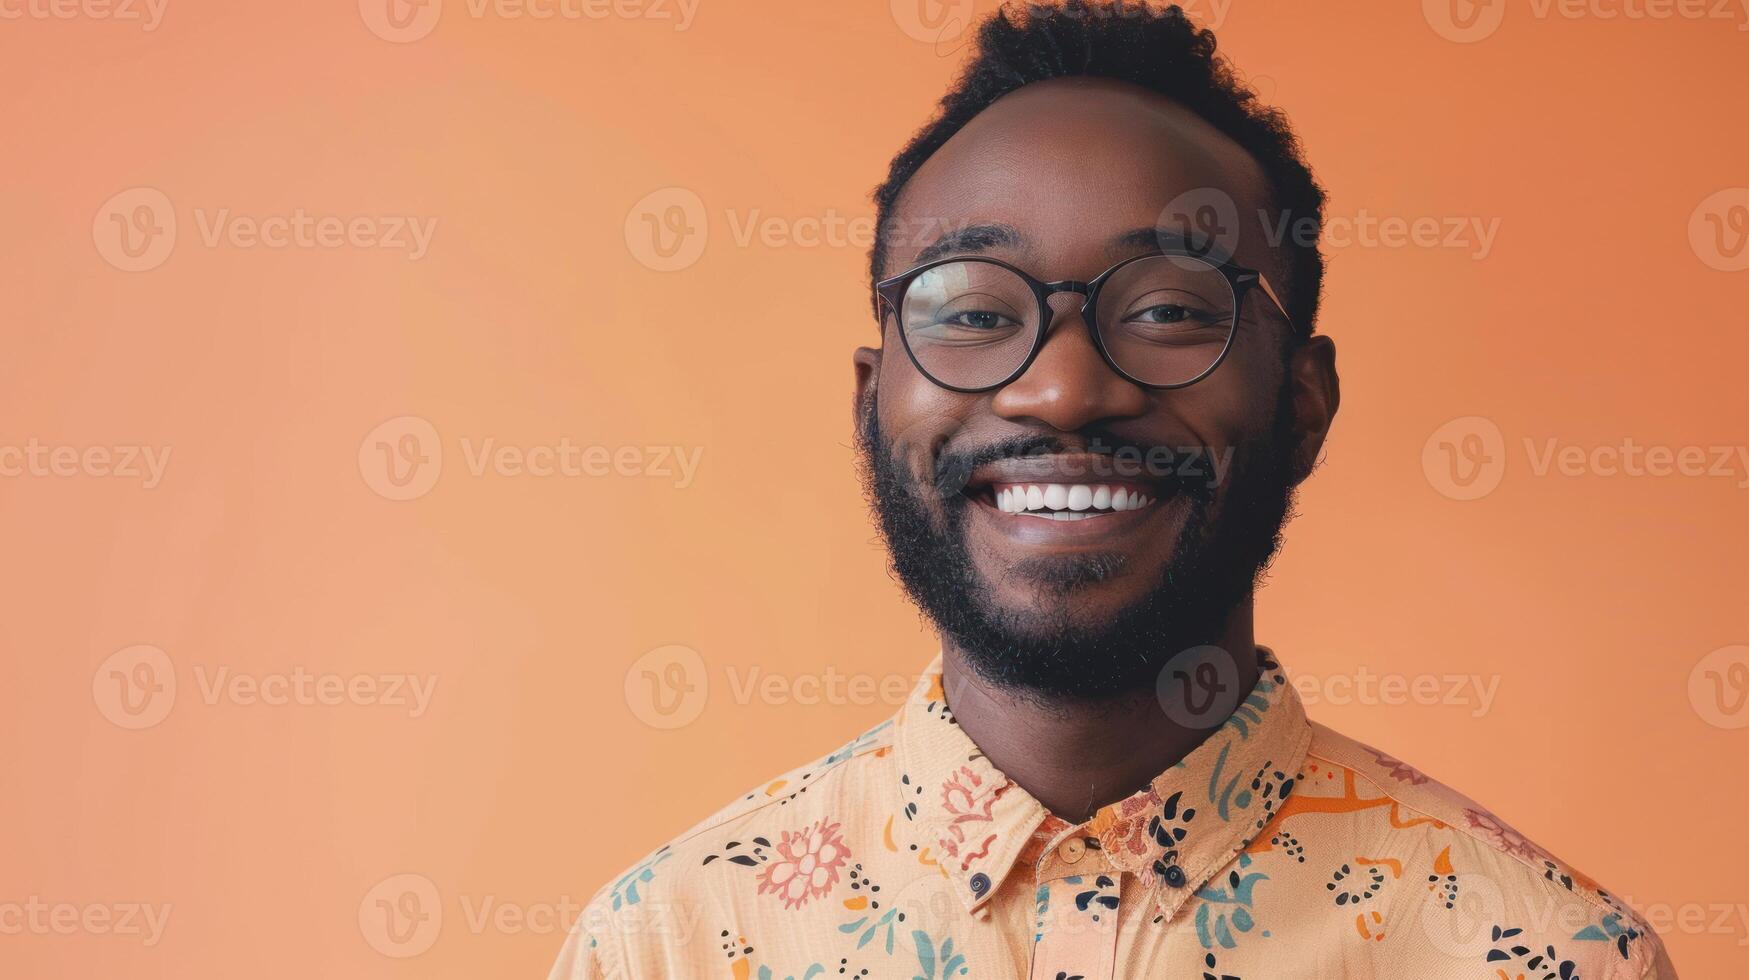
(806, 864)
(930, 959)
(1503, 836)
(1226, 908)
(905, 854)
(1397, 769)
(968, 799)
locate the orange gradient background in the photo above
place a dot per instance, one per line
(1605, 148)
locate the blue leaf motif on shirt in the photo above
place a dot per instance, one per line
(951, 963)
(1227, 906)
(625, 890)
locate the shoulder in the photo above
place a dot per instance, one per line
(1525, 902)
(664, 906)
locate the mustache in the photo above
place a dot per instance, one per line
(1190, 470)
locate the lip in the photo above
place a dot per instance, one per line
(1101, 468)
(1101, 529)
(1111, 531)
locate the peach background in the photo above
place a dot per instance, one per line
(531, 778)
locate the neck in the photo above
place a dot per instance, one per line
(1075, 756)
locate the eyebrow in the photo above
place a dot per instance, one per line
(973, 239)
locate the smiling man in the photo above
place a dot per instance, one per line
(1081, 433)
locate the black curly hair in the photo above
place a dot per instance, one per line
(1157, 49)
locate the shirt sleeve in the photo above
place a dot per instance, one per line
(1659, 967)
(580, 959)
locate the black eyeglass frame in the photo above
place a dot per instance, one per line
(1240, 280)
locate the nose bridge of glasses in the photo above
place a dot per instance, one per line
(1065, 287)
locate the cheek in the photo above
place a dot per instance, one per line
(915, 415)
(1238, 401)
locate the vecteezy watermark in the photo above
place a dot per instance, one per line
(37, 459)
(403, 915)
(402, 458)
(1208, 220)
(1466, 459)
(1199, 687)
(34, 916)
(136, 687)
(1697, 918)
(147, 13)
(1718, 687)
(136, 230)
(1363, 229)
(1718, 230)
(406, 21)
(669, 687)
(1469, 21)
(667, 229)
(1473, 691)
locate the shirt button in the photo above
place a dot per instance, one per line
(1072, 849)
(1174, 876)
(980, 884)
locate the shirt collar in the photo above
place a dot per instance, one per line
(1189, 822)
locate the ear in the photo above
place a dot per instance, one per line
(868, 366)
(1317, 391)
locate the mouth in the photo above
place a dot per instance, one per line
(1067, 488)
(1066, 501)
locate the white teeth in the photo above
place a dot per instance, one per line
(1080, 497)
(1068, 502)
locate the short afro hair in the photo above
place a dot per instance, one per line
(1156, 49)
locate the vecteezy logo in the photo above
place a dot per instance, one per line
(1199, 687)
(401, 915)
(135, 230)
(937, 22)
(400, 21)
(1204, 219)
(1718, 230)
(667, 687)
(135, 687)
(402, 458)
(1464, 928)
(1464, 21)
(667, 229)
(1464, 459)
(1718, 687)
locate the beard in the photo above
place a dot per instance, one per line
(1231, 532)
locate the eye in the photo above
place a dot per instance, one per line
(1168, 313)
(978, 320)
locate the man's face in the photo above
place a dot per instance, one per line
(1070, 171)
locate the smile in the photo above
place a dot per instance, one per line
(1066, 501)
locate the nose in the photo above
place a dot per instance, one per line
(1069, 386)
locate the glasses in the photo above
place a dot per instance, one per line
(1162, 320)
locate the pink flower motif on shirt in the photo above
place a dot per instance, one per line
(968, 800)
(806, 864)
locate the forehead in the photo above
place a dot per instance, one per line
(1073, 165)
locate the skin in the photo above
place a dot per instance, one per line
(1073, 165)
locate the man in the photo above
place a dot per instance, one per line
(1092, 401)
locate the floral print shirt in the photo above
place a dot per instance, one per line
(1277, 848)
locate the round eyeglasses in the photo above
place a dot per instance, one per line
(1161, 320)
